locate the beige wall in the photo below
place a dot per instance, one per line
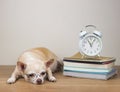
(56, 24)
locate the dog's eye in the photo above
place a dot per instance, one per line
(43, 73)
(31, 75)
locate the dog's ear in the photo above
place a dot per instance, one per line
(49, 62)
(21, 66)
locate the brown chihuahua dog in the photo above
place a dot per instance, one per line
(34, 65)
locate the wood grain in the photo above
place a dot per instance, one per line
(63, 84)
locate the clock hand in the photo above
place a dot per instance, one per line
(93, 41)
(89, 43)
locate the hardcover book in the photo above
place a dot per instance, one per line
(91, 75)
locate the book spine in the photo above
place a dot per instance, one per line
(83, 65)
(88, 62)
(86, 70)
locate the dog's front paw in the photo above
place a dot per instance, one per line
(11, 80)
(52, 79)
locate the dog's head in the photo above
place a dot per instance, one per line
(34, 72)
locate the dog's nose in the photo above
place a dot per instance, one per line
(39, 81)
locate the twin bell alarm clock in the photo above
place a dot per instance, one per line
(90, 42)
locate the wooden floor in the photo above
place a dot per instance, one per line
(63, 84)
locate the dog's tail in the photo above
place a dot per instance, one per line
(60, 64)
(60, 61)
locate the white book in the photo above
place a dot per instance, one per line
(89, 75)
(93, 70)
(84, 65)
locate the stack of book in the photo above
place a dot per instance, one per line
(97, 68)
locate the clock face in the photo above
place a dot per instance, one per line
(91, 45)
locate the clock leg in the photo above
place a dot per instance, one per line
(83, 56)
